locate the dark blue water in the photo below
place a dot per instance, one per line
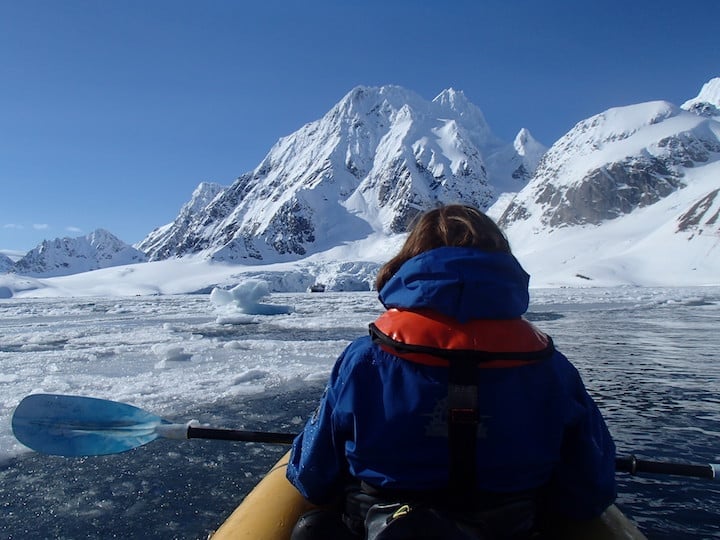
(653, 367)
(655, 373)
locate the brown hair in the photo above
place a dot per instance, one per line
(454, 225)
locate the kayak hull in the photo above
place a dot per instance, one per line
(271, 509)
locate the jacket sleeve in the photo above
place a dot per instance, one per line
(317, 467)
(583, 484)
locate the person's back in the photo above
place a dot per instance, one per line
(455, 397)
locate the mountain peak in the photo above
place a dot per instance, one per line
(379, 157)
(707, 102)
(526, 145)
(363, 100)
(452, 98)
(709, 93)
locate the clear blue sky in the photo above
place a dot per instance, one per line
(111, 112)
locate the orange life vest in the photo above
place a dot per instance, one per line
(430, 338)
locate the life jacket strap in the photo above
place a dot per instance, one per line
(463, 420)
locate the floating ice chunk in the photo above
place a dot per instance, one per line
(251, 375)
(170, 355)
(238, 345)
(244, 299)
(235, 319)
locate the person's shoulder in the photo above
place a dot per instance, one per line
(357, 354)
(360, 349)
(565, 371)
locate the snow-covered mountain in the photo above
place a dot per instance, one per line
(613, 163)
(628, 190)
(65, 256)
(369, 166)
(628, 196)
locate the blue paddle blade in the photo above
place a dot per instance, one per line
(81, 426)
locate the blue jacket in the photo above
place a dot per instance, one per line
(381, 418)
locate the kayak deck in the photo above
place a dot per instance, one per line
(272, 508)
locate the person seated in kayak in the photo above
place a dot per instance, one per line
(454, 399)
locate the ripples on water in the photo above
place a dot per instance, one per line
(654, 370)
(651, 363)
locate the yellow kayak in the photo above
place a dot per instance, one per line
(272, 508)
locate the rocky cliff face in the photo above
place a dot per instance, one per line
(183, 236)
(703, 216)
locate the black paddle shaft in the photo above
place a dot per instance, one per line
(239, 435)
(633, 465)
(630, 464)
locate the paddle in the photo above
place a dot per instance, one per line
(83, 426)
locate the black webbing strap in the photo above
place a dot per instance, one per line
(462, 420)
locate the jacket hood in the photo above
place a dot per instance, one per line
(462, 283)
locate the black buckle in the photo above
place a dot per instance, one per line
(463, 416)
